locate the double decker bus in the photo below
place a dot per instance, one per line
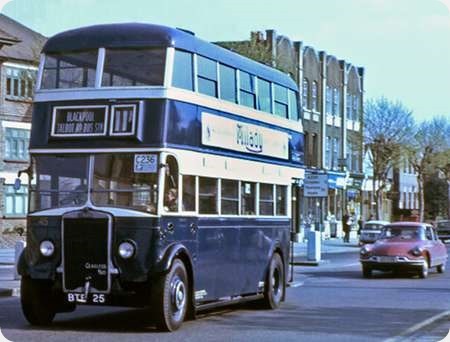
(161, 175)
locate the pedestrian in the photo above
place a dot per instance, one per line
(346, 224)
(360, 225)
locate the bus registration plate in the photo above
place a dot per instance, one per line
(92, 298)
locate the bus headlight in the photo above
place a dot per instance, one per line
(47, 248)
(127, 249)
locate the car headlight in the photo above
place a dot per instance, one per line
(127, 249)
(47, 248)
(416, 251)
(364, 251)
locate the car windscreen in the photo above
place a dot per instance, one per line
(403, 233)
(373, 226)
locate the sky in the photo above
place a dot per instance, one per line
(404, 45)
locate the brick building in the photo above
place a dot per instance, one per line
(19, 58)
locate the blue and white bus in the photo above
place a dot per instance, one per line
(162, 169)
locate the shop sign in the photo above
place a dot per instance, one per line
(315, 185)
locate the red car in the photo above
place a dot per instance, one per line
(405, 246)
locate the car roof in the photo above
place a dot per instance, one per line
(410, 224)
(377, 222)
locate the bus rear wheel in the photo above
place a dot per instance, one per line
(275, 283)
(37, 301)
(171, 297)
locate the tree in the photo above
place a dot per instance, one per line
(387, 127)
(427, 152)
(261, 51)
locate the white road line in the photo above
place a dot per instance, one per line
(403, 336)
(297, 284)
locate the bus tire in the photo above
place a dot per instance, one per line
(37, 301)
(171, 297)
(274, 286)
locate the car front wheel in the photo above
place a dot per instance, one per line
(441, 268)
(423, 271)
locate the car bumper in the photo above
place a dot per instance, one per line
(391, 262)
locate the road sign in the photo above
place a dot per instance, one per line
(315, 185)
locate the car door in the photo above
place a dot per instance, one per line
(439, 249)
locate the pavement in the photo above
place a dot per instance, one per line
(9, 286)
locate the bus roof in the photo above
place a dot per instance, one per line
(139, 35)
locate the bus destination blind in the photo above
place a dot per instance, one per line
(79, 121)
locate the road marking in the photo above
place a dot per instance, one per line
(297, 284)
(415, 328)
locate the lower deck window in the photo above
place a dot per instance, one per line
(266, 202)
(207, 195)
(281, 200)
(189, 193)
(230, 197)
(248, 198)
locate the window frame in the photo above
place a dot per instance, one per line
(10, 139)
(252, 92)
(25, 86)
(200, 76)
(10, 192)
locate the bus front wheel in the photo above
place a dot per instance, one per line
(37, 301)
(171, 297)
(275, 283)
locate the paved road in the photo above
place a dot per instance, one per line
(330, 302)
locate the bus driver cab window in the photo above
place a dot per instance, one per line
(171, 185)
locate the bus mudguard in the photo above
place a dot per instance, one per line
(171, 252)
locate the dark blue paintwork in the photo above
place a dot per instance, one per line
(166, 123)
(229, 256)
(139, 35)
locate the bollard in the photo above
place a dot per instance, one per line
(313, 253)
(20, 245)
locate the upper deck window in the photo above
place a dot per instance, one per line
(133, 67)
(246, 89)
(227, 83)
(69, 70)
(182, 70)
(264, 96)
(281, 101)
(293, 108)
(207, 76)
